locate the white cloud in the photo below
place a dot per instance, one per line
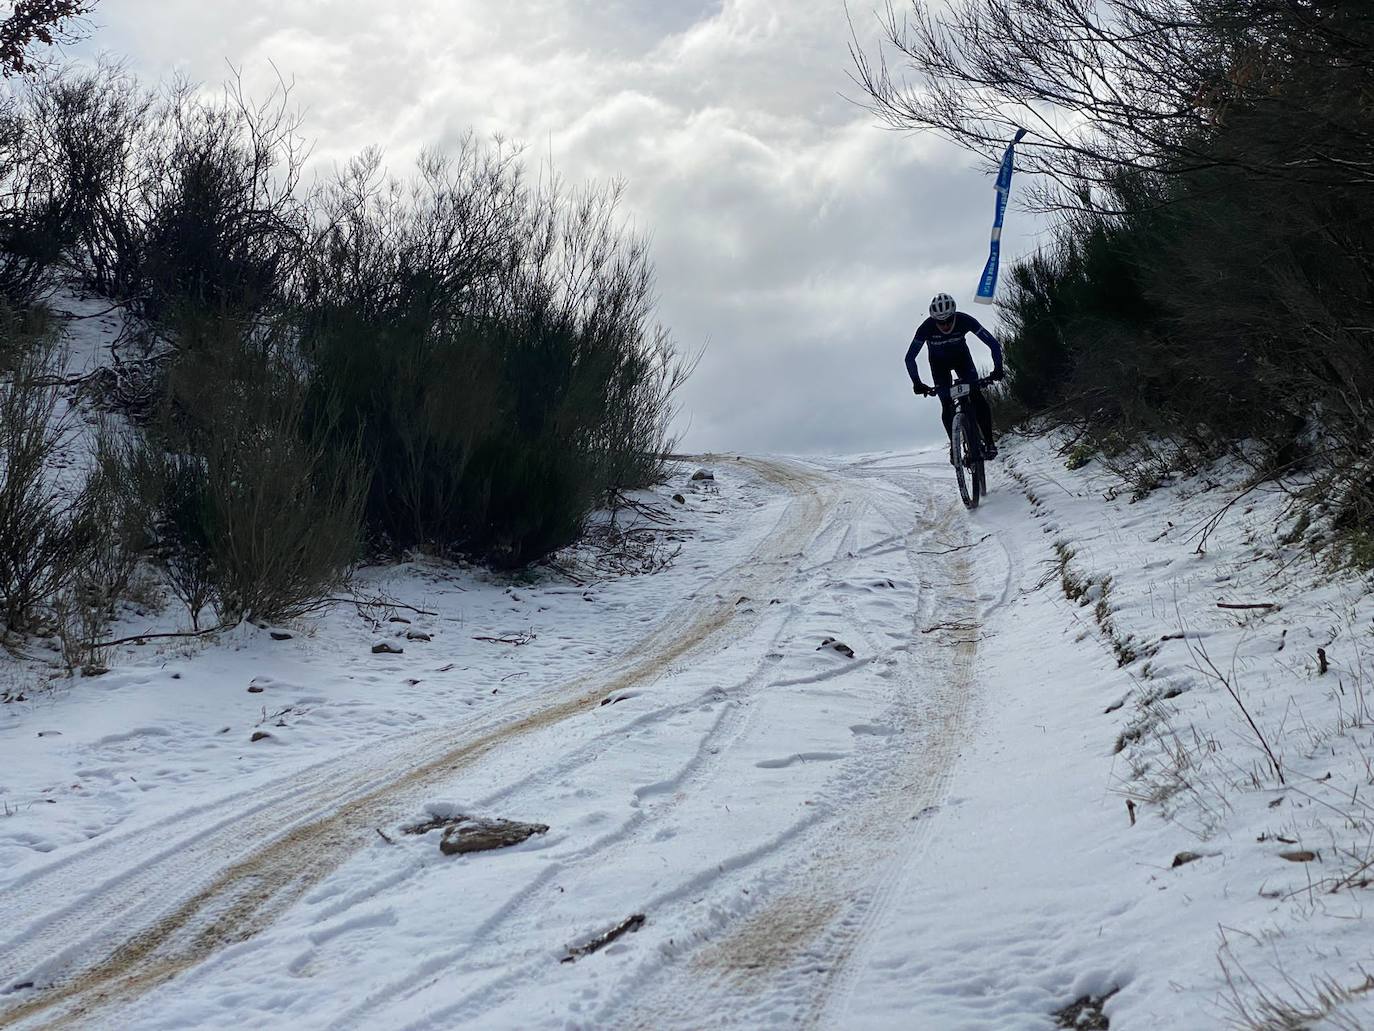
(798, 237)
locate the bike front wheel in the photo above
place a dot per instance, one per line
(968, 463)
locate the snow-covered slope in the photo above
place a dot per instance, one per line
(1116, 826)
(930, 833)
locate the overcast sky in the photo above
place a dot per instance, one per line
(795, 239)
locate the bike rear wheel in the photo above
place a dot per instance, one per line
(968, 462)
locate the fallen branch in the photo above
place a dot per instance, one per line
(140, 638)
(378, 603)
(1200, 654)
(518, 640)
(960, 627)
(1246, 605)
(598, 943)
(960, 547)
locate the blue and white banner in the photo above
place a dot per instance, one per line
(987, 286)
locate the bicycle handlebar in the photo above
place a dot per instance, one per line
(981, 382)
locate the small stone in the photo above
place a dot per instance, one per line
(260, 735)
(385, 648)
(1184, 858)
(417, 635)
(679, 499)
(837, 646)
(398, 619)
(282, 635)
(255, 689)
(703, 474)
(50, 733)
(1299, 857)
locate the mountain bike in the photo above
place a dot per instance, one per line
(966, 444)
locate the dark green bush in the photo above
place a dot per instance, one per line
(493, 349)
(248, 511)
(465, 361)
(46, 530)
(1208, 314)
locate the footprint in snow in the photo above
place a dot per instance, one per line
(800, 757)
(873, 730)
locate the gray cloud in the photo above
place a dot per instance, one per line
(798, 238)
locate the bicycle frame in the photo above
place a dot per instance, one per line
(966, 442)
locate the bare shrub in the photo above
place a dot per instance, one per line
(1252, 1006)
(96, 128)
(44, 535)
(171, 489)
(108, 507)
(34, 227)
(81, 620)
(249, 512)
(37, 24)
(219, 210)
(166, 198)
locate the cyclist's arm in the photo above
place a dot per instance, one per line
(917, 342)
(982, 334)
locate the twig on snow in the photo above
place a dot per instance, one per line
(959, 547)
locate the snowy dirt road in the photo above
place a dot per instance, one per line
(754, 795)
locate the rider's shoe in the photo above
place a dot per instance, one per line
(989, 451)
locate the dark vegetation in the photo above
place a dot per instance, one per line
(33, 27)
(463, 361)
(1210, 287)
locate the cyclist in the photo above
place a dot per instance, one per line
(944, 334)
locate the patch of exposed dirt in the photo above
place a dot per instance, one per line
(772, 938)
(1085, 1014)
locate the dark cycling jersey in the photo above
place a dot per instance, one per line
(949, 351)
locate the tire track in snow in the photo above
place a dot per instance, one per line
(332, 818)
(785, 960)
(699, 770)
(481, 953)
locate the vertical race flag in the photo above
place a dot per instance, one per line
(987, 286)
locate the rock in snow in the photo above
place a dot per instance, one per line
(475, 834)
(837, 646)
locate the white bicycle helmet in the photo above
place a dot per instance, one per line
(943, 307)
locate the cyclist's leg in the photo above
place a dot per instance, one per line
(983, 412)
(941, 375)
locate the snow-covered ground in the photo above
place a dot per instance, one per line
(932, 833)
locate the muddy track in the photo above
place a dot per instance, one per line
(131, 933)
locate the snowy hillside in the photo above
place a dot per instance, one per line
(1069, 759)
